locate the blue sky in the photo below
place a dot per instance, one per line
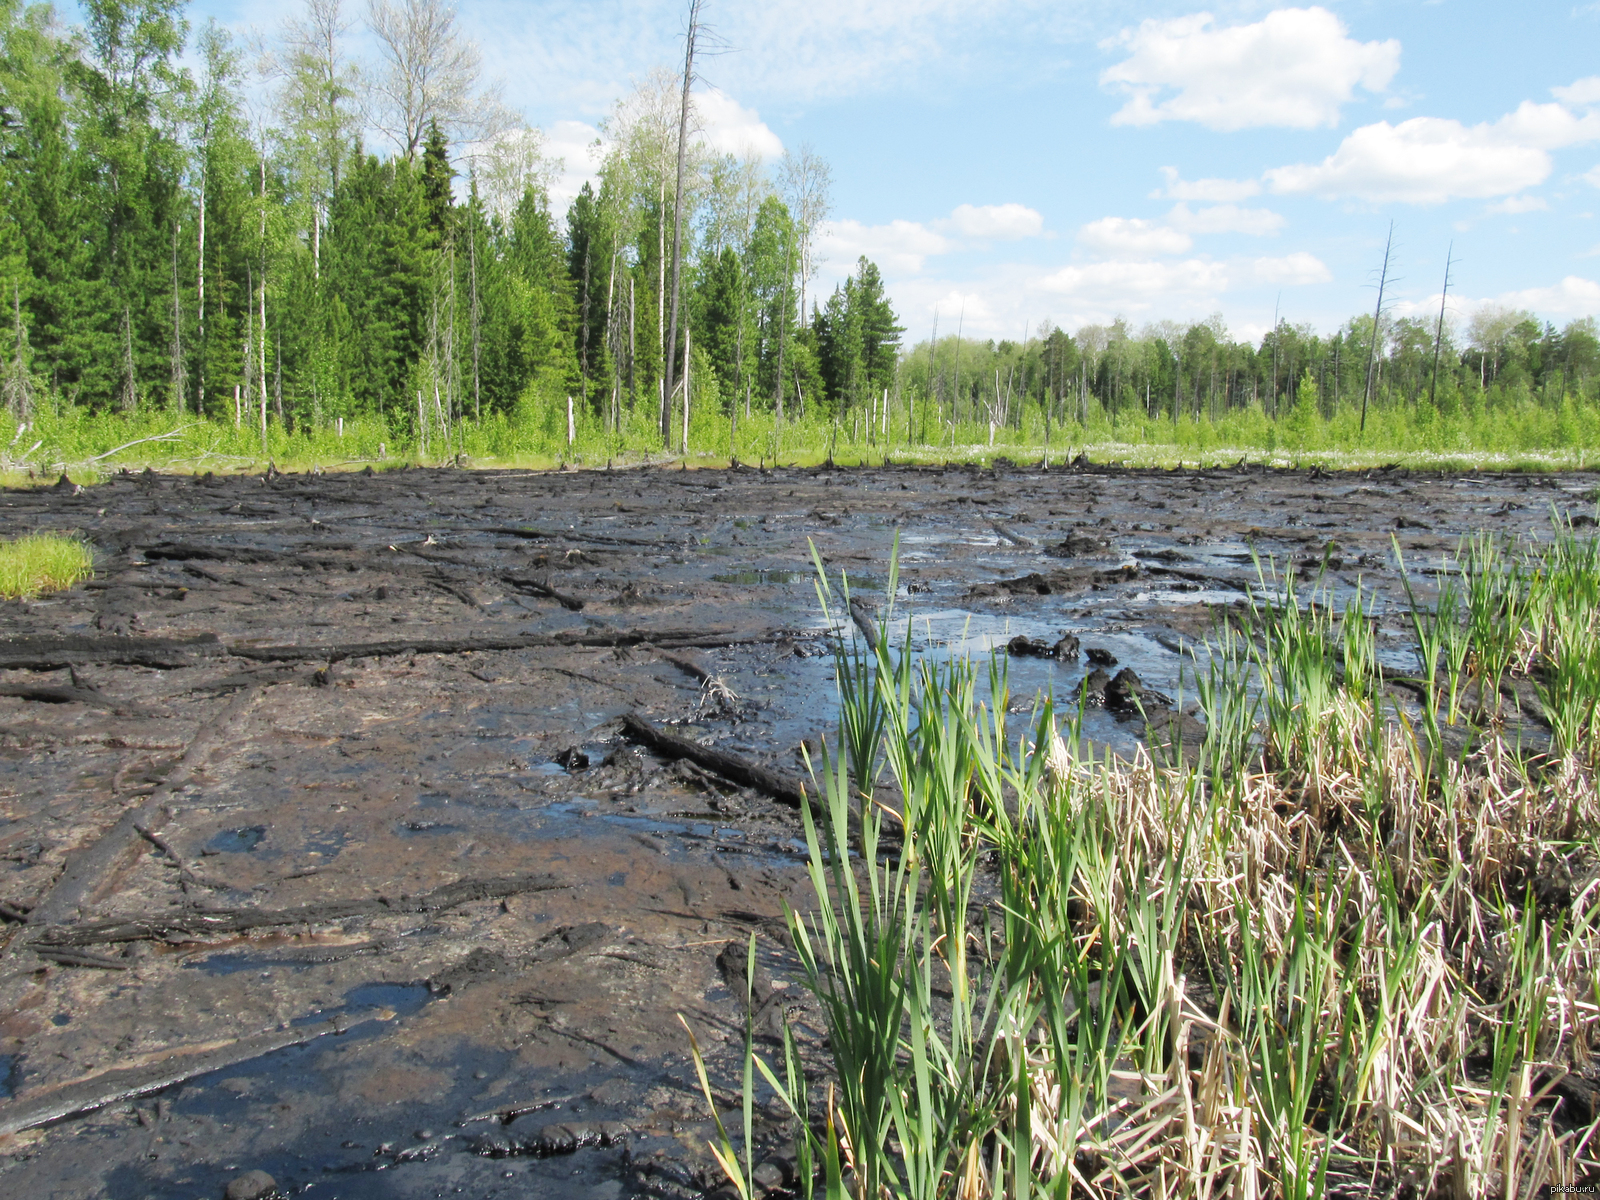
(1018, 160)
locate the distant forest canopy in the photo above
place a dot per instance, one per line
(219, 242)
(1197, 372)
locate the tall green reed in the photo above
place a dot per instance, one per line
(999, 938)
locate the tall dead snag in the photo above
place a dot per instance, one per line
(19, 382)
(175, 348)
(677, 215)
(1377, 318)
(1438, 333)
(472, 248)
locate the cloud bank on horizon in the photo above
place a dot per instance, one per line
(1028, 159)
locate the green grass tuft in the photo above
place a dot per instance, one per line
(42, 562)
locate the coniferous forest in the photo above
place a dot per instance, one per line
(279, 250)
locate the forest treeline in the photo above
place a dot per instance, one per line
(1417, 370)
(279, 240)
(219, 241)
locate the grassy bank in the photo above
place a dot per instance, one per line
(1509, 433)
(1349, 946)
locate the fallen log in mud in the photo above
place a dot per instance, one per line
(581, 638)
(1012, 536)
(87, 870)
(57, 695)
(53, 652)
(780, 786)
(66, 956)
(241, 555)
(171, 1067)
(220, 922)
(574, 535)
(696, 670)
(538, 587)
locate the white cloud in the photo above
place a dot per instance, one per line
(1007, 297)
(1205, 191)
(898, 248)
(1593, 175)
(1584, 91)
(1225, 218)
(1137, 238)
(964, 309)
(1428, 307)
(1572, 297)
(579, 57)
(724, 124)
(994, 221)
(1250, 331)
(1131, 237)
(573, 143)
(1519, 204)
(1139, 284)
(902, 248)
(830, 48)
(1429, 160)
(730, 128)
(1426, 160)
(1291, 270)
(1547, 126)
(1293, 68)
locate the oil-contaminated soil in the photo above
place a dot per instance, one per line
(372, 830)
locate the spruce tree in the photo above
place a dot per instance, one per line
(588, 267)
(378, 263)
(436, 176)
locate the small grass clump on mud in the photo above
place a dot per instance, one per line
(42, 562)
(1351, 947)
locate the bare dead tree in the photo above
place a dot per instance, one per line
(320, 89)
(783, 321)
(130, 380)
(807, 181)
(689, 38)
(19, 379)
(1377, 320)
(428, 72)
(955, 398)
(472, 251)
(1438, 333)
(179, 375)
(509, 163)
(610, 341)
(642, 132)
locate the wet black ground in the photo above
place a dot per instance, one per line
(410, 761)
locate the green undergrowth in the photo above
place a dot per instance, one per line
(1348, 945)
(1505, 435)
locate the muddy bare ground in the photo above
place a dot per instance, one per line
(323, 850)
